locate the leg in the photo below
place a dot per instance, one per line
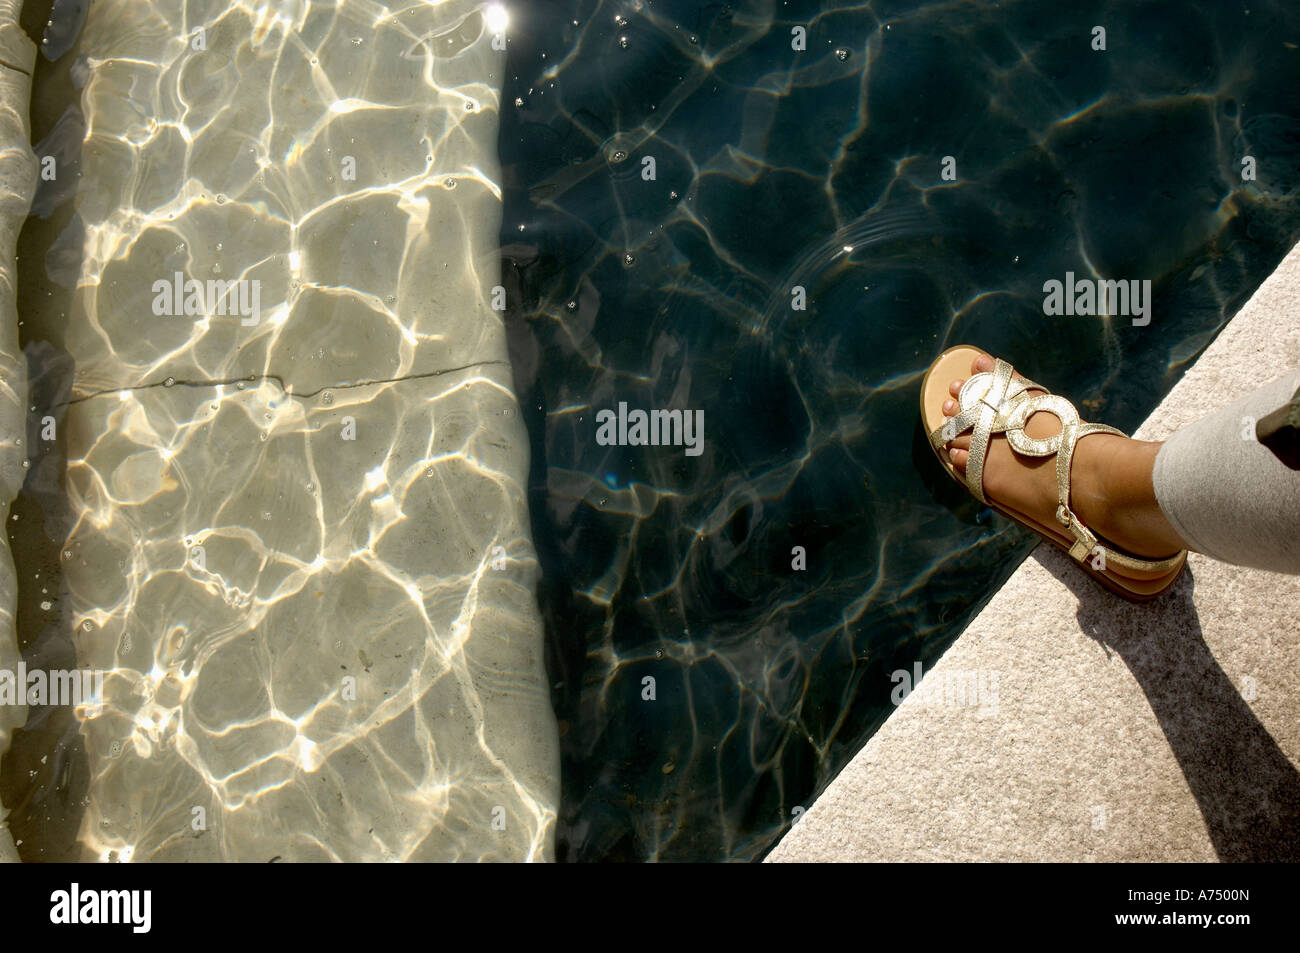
(1228, 495)
(1206, 489)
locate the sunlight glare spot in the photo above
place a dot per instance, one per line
(497, 18)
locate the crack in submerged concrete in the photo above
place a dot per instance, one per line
(263, 378)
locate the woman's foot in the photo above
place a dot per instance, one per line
(1110, 481)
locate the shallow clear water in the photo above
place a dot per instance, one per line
(293, 538)
(1122, 163)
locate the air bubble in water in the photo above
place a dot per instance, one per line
(620, 21)
(221, 199)
(842, 54)
(169, 382)
(519, 102)
(572, 306)
(622, 42)
(629, 260)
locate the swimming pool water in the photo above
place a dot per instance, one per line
(725, 593)
(823, 168)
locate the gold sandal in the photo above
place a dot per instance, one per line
(993, 402)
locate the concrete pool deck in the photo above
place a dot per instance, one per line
(1118, 732)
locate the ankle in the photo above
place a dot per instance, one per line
(1097, 486)
(1112, 493)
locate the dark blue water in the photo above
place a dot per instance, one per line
(675, 293)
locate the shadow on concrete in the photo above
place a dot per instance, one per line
(1247, 789)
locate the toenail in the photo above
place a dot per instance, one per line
(948, 406)
(952, 455)
(984, 362)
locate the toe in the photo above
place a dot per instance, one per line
(949, 408)
(958, 458)
(955, 388)
(986, 363)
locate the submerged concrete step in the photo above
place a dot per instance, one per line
(300, 545)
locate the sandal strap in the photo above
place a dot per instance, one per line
(1085, 541)
(984, 404)
(994, 402)
(992, 405)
